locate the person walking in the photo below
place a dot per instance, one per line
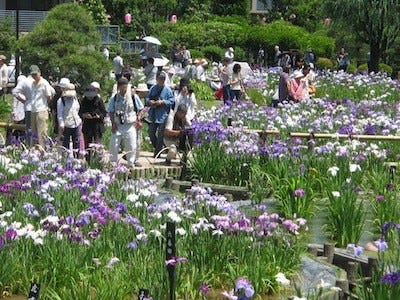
(118, 63)
(139, 93)
(69, 121)
(123, 122)
(236, 83)
(41, 92)
(225, 73)
(92, 112)
(343, 60)
(160, 99)
(150, 71)
(3, 75)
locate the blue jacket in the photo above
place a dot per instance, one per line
(159, 114)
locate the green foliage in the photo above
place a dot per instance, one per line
(131, 59)
(198, 35)
(230, 7)
(96, 10)
(324, 63)
(257, 97)
(287, 36)
(65, 44)
(197, 53)
(362, 68)
(374, 22)
(352, 69)
(202, 90)
(384, 68)
(7, 37)
(213, 53)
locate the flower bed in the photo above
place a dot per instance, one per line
(82, 232)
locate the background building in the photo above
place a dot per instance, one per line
(29, 4)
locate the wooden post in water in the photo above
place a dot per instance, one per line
(329, 252)
(312, 249)
(372, 266)
(351, 270)
(343, 284)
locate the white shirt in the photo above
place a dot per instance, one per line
(106, 53)
(118, 64)
(190, 101)
(229, 54)
(23, 90)
(40, 93)
(18, 110)
(3, 76)
(68, 113)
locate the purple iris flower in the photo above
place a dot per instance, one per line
(204, 288)
(381, 244)
(391, 278)
(299, 193)
(10, 234)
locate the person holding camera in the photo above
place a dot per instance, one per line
(177, 135)
(92, 113)
(160, 99)
(123, 119)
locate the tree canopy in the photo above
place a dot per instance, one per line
(376, 22)
(65, 44)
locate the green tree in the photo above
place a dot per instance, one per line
(376, 22)
(66, 43)
(7, 36)
(96, 9)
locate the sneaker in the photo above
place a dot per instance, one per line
(138, 164)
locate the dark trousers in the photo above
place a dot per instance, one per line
(227, 93)
(71, 133)
(236, 94)
(156, 134)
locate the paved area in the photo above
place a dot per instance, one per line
(155, 167)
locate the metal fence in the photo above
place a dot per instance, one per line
(109, 34)
(27, 18)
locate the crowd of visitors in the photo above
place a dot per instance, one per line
(163, 100)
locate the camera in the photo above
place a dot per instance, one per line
(121, 117)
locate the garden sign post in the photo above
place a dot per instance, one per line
(170, 253)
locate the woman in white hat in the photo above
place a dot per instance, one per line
(68, 118)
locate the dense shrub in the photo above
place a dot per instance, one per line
(324, 63)
(213, 53)
(385, 68)
(196, 53)
(382, 68)
(362, 68)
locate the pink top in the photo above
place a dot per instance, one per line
(296, 89)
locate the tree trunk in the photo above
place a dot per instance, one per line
(375, 53)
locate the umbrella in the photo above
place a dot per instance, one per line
(152, 40)
(160, 62)
(153, 54)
